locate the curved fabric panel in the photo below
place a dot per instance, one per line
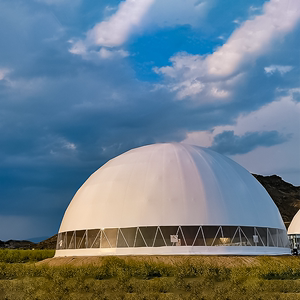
(169, 184)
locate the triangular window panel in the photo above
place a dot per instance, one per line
(59, 241)
(274, 235)
(245, 241)
(282, 239)
(199, 239)
(262, 232)
(121, 240)
(129, 235)
(257, 238)
(72, 241)
(228, 234)
(210, 233)
(139, 240)
(82, 243)
(190, 233)
(111, 234)
(170, 234)
(159, 239)
(68, 237)
(104, 240)
(271, 242)
(148, 234)
(218, 240)
(181, 238)
(94, 238)
(62, 241)
(80, 235)
(236, 239)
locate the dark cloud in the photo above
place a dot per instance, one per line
(62, 117)
(229, 143)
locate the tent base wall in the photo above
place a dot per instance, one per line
(182, 250)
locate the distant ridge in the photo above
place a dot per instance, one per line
(285, 195)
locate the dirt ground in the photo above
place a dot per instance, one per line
(228, 261)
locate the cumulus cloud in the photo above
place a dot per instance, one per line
(277, 68)
(229, 143)
(115, 31)
(199, 74)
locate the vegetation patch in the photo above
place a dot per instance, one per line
(149, 278)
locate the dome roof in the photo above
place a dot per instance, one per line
(294, 227)
(170, 184)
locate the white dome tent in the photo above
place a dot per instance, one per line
(171, 199)
(294, 231)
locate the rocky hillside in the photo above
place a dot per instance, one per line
(48, 243)
(285, 195)
(13, 244)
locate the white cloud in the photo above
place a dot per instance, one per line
(3, 73)
(136, 15)
(246, 44)
(113, 32)
(281, 69)
(70, 146)
(106, 53)
(283, 116)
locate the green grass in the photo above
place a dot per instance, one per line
(131, 278)
(22, 256)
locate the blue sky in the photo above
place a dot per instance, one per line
(84, 81)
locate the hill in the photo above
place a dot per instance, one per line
(285, 195)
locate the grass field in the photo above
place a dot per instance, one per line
(196, 277)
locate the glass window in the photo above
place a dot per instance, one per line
(148, 234)
(209, 233)
(169, 231)
(80, 239)
(111, 234)
(69, 239)
(262, 232)
(230, 236)
(139, 240)
(60, 241)
(200, 240)
(129, 235)
(159, 239)
(153, 236)
(93, 238)
(219, 239)
(282, 238)
(121, 240)
(181, 238)
(190, 233)
(271, 239)
(104, 243)
(247, 236)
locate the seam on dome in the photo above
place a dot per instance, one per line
(180, 169)
(213, 175)
(196, 171)
(253, 202)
